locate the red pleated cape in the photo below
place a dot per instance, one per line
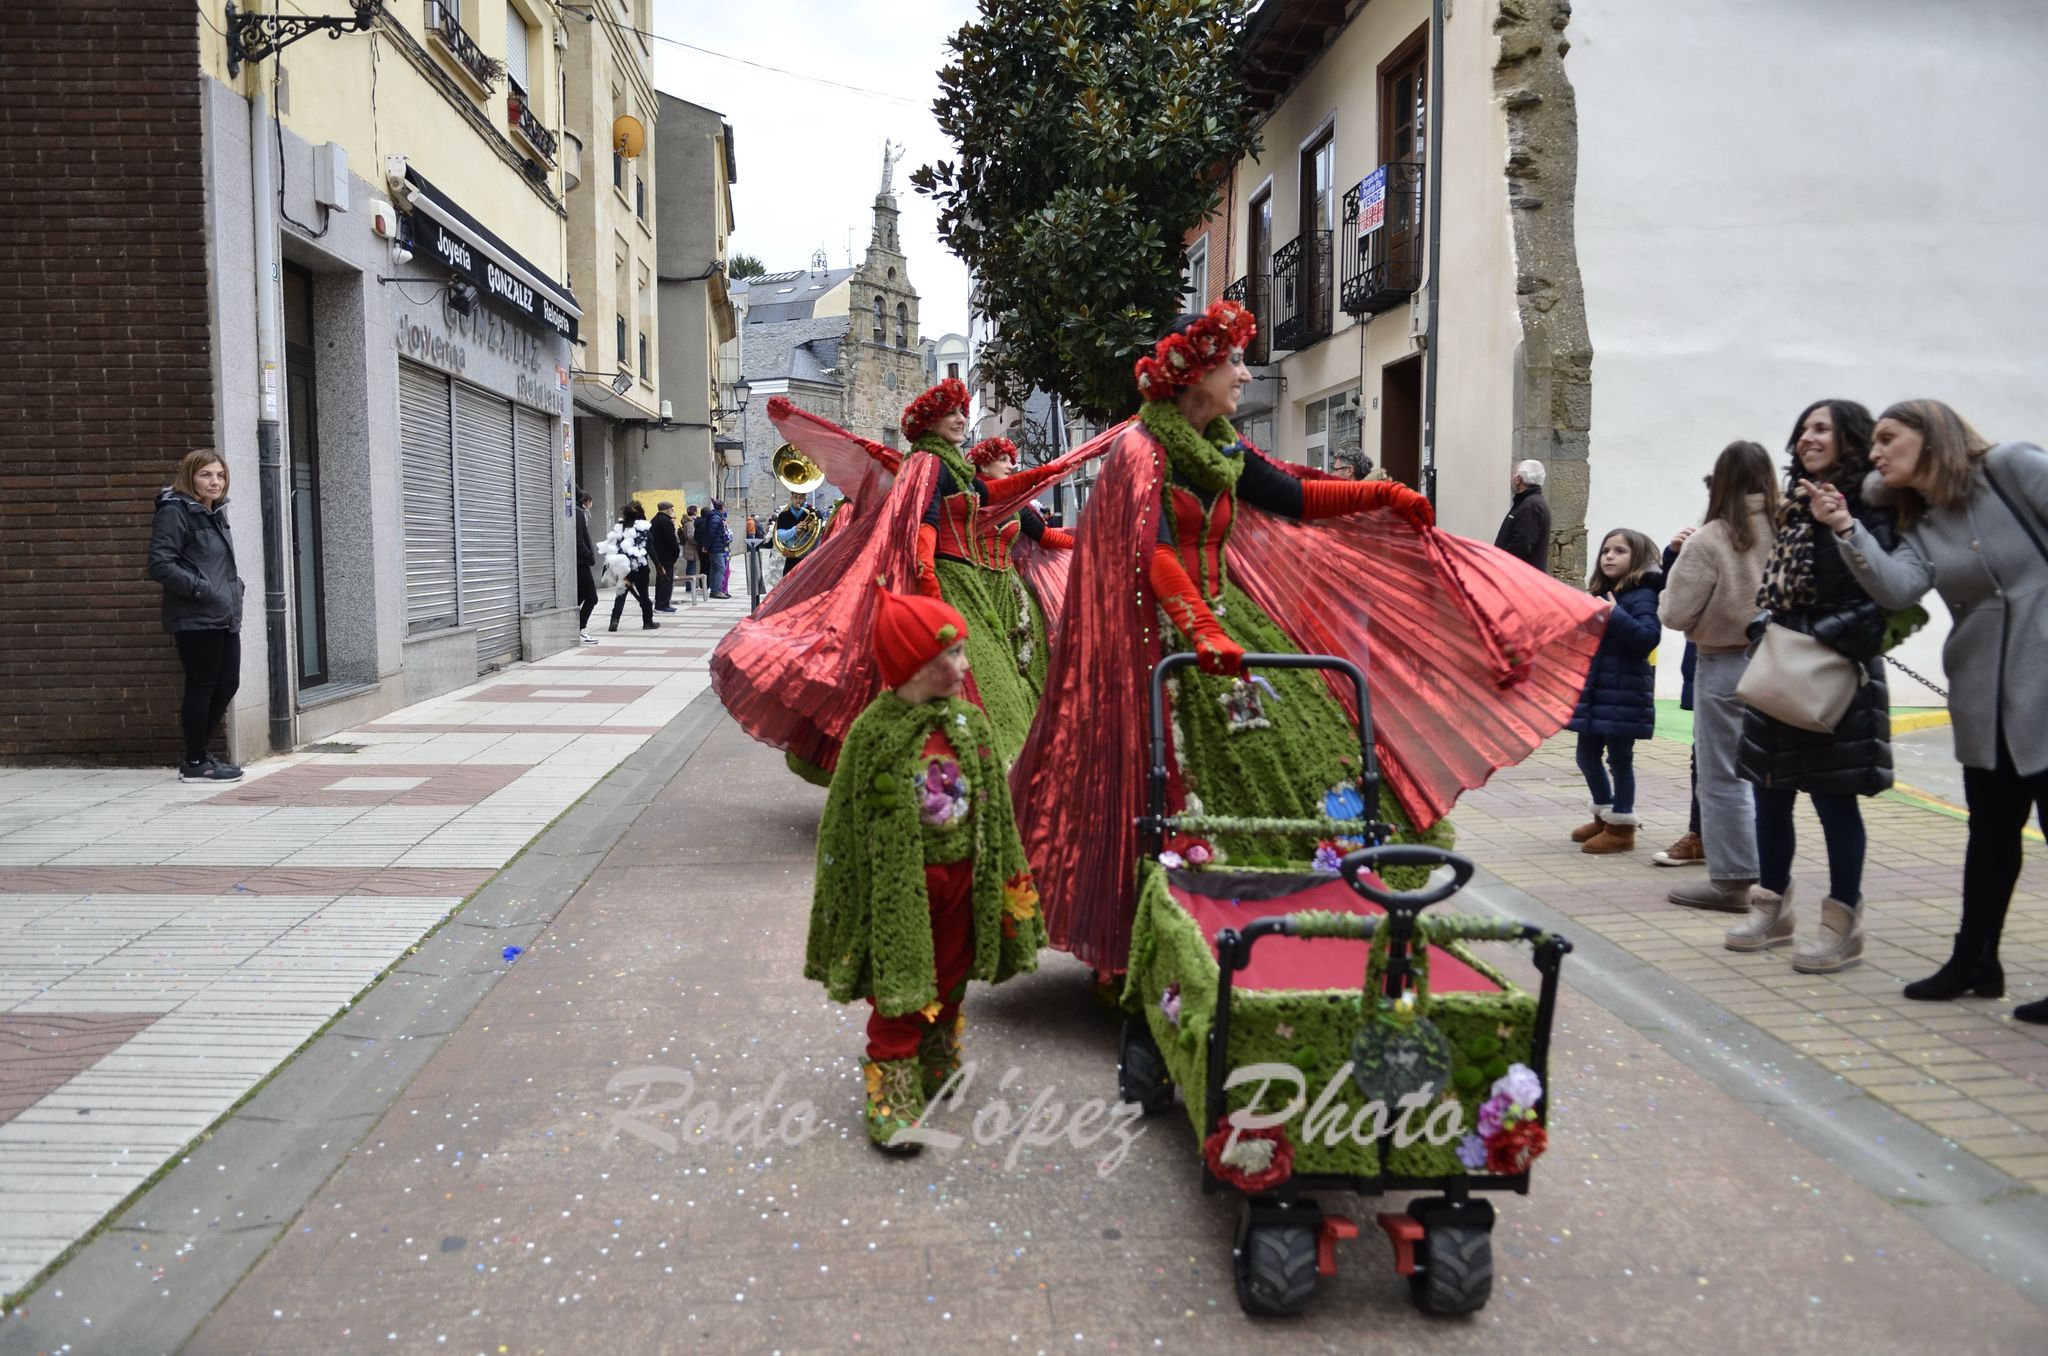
(1473, 659)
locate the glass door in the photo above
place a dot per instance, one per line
(302, 431)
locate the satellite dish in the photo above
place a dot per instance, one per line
(628, 136)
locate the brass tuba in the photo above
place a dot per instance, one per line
(799, 475)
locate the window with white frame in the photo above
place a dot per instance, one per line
(518, 51)
(1329, 426)
(1195, 284)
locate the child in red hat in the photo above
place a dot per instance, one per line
(922, 883)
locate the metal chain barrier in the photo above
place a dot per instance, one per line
(1931, 686)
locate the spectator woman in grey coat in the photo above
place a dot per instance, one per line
(193, 556)
(1974, 525)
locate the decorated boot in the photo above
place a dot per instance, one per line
(895, 1101)
(938, 1054)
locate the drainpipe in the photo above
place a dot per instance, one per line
(1436, 198)
(269, 443)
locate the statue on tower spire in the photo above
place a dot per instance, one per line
(891, 156)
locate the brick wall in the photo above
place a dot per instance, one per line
(104, 369)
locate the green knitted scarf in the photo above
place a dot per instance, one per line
(954, 459)
(1197, 456)
(870, 932)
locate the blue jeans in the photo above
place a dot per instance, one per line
(1620, 794)
(1841, 824)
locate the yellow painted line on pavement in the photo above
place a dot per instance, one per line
(1927, 800)
(1905, 721)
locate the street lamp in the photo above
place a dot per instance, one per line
(740, 392)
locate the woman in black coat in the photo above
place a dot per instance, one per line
(192, 554)
(1809, 588)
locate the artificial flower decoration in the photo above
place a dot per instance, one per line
(1178, 360)
(1191, 851)
(1172, 861)
(921, 414)
(943, 794)
(1508, 1136)
(1169, 1003)
(1516, 1147)
(1020, 898)
(990, 450)
(1250, 1160)
(1344, 801)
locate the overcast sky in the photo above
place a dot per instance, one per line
(810, 156)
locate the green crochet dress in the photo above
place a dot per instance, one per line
(1007, 645)
(1281, 763)
(870, 933)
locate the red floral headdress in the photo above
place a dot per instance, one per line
(992, 450)
(1179, 359)
(920, 414)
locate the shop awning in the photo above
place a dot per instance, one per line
(452, 237)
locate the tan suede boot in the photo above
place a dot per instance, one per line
(1839, 945)
(1617, 834)
(1769, 923)
(1592, 826)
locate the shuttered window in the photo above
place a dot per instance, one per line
(488, 521)
(539, 508)
(428, 471)
(516, 48)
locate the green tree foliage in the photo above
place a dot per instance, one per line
(743, 266)
(1092, 135)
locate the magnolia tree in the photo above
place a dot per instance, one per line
(1092, 135)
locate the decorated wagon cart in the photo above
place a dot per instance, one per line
(1329, 1037)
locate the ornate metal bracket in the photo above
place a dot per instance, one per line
(252, 37)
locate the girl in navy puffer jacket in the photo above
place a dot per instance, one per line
(1619, 705)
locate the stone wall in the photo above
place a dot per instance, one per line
(108, 379)
(1554, 377)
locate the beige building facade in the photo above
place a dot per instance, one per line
(698, 167)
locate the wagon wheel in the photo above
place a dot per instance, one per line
(1276, 1268)
(1141, 1074)
(1454, 1269)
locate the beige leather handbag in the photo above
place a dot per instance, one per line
(1795, 679)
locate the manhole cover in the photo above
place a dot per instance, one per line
(337, 746)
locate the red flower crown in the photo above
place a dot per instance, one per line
(1178, 360)
(920, 414)
(992, 450)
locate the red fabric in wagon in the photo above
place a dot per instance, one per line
(1313, 963)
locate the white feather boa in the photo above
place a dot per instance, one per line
(623, 550)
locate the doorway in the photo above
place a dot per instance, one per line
(302, 431)
(1401, 421)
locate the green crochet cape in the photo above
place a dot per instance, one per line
(870, 934)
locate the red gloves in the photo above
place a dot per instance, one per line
(1335, 498)
(927, 560)
(1056, 539)
(1214, 651)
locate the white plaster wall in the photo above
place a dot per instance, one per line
(1780, 202)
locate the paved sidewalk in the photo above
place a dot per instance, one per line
(164, 947)
(1964, 1069)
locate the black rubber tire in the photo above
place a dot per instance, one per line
(1141, 1074)
(1454, 1271)
(1276, 1270)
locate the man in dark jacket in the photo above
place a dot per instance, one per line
(586, 568)
(714, 546)
(666, 548)
(1525, 532)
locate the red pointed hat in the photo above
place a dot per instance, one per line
(920, 414)
(911, 630)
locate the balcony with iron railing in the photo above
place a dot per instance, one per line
(527, 126)
(1302, 291)
(1383, 243)
(445, 31)
(1254, 292)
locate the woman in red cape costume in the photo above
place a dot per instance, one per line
(797, 673)
(1473, 659)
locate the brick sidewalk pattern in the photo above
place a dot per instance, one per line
(1965, 1069)
(164, 947)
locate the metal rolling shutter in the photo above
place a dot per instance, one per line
(539, 503)
(488, 521)
(426, 455)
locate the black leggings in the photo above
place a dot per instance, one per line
(213, 674)
(2001, 801)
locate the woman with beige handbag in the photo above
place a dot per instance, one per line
(1973, 524)
(1822, 640)
(1710, 594)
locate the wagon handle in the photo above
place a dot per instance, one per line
(1410, 902)
(1154, 820)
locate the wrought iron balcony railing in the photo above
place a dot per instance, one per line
(1302, 288)
(1383, 243)
(446, 30)
(520, 115)
(1254, 292)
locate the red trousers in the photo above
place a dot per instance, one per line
(951, 891)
